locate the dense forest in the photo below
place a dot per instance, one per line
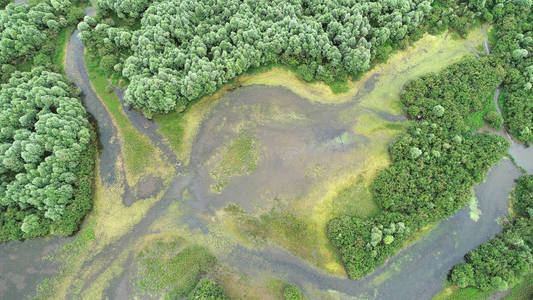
(506, 259)
(46, 156)
(512, 47)
(28, 33)
(47, 145)
(174, 52)
(435, 163)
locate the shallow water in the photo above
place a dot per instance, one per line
(416, 272)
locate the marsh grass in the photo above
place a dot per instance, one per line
(239, 157)
(455, 293)
(140, 154)
(58, 58)
(522, 290)
(172, 267)
(280, 224)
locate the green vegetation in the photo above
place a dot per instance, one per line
(522, 290)
(512, 48)
(292, 292)
(47, 156)
(61, 43)
(452, 293)
(30, 33)
(3, 3)
(68, 254)
(435, 163)
(326, 41)
(488, 114)
(508, 258)
(207, 289)
(172, 268)
(239, 157)
(279, 224)
(139, 147)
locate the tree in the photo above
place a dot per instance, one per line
(46, 156)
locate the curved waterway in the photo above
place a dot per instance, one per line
(417, 272)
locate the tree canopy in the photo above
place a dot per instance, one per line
(46, 156)
(512, 45)
(29, 29)
(187, 49)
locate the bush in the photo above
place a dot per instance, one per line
(494, 119)
(292, 292)
(206, 289)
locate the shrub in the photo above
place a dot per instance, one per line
(494, 119)
(292, 292)
(206, 289)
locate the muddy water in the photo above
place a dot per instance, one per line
(293, 134)
(415, 273)
(22, 266)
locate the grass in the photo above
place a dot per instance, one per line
(476, 119)
(239, 157)
(172, 267)
(280, 224)
(180, 128)
(69, 255)
(58, 58)
(140, 154)
(522, 290)
(364, 206)
(455, 293)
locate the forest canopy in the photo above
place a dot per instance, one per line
(30, 29)
(187, 49)
(46, 156)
